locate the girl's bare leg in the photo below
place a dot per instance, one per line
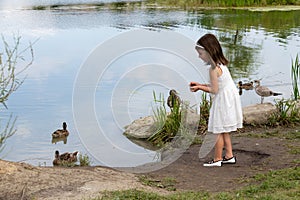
(228, 145)
(219, 147)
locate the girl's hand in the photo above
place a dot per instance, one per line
(194, 86)
(194, 83)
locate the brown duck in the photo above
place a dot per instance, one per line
(245, 86)
(65, 158)
(173, 99)
(61, 132)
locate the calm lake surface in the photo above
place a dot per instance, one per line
(260, 45)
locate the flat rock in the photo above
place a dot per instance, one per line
(258, 113)
(141, 128)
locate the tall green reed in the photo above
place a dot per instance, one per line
(295, 74)
(167, 125)
(204, 113)
(287, 113)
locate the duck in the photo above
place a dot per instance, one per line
(245, 86)
(173, 99)
(61, 132)
(65, 158)
(263, 91)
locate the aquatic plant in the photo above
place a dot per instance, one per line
(159, 111)
(295, 74)
(167, 125)
(204, 113)
(287, 113)
(84, 160)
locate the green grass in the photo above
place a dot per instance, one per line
(287, 113)
(289, 135)
(223, 3)
(84, 160)
(277, 184)
(167, 183)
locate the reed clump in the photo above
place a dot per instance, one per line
(84, 160)
(173, 124)
(205, 106)
(288, 113)
(167, 124)
(288, 110)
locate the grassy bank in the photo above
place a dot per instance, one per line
(263, 5)
(224, 3)
(271, 184)
(279, 184)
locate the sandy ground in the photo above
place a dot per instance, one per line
(254, 155)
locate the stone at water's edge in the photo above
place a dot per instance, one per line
(258, 113)
(254, 114)
(141, 128)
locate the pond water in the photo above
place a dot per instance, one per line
(260, 45)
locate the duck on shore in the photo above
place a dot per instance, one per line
(65, 158)
(61, 132)
(173, 99)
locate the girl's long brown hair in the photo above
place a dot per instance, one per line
(213, 47)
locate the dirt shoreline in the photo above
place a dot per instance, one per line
(254, 155)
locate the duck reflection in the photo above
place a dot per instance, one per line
(55, 140)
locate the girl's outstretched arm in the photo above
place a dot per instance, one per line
(195, 86)
(210, 88)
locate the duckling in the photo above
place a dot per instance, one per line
(65, 158)
(263, 91)
(245, 86)
(173, 99)
(61, 132)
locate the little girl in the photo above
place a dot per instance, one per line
(226, 112)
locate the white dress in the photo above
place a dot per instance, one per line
(226, 111)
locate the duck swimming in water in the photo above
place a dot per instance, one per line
(61, 132)
(65, 158)
(245, 86)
